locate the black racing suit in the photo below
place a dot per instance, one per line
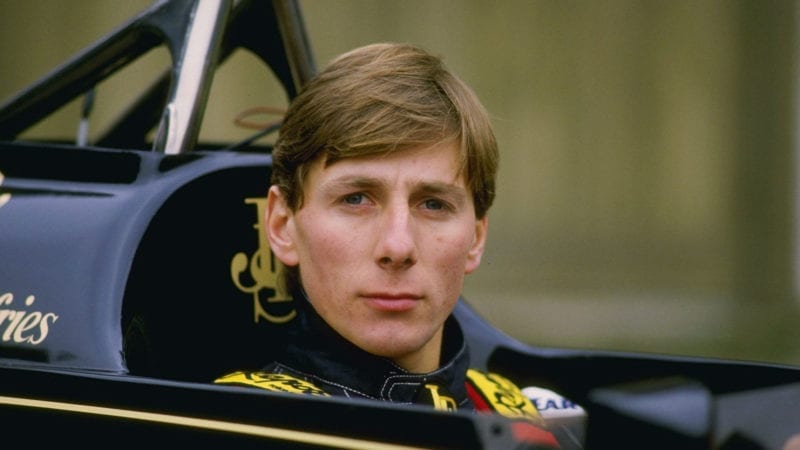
(319, 361)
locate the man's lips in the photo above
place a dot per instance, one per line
(394, 302)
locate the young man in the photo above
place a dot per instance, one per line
(383, 175)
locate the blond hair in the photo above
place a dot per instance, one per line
(382, 98)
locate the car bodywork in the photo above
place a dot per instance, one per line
(135, 270)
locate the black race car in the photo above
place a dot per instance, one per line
(134, 271)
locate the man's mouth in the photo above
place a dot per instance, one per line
(391, 302)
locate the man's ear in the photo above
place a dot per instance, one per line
(478, 244)
(279, 232)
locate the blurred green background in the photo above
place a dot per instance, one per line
(648, 195)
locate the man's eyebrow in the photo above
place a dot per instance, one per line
(441, 188)
(365, 182)
(349, 182)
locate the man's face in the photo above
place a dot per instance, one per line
(383, 243)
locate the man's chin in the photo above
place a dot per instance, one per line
(410, 352)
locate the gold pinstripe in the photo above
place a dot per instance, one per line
(221, 425)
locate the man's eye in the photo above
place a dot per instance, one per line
(433, 203)
(354, 199)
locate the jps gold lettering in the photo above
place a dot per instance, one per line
(263, 268)
(23, 326)
(441, 402)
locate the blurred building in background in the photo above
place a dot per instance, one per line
(647, 198)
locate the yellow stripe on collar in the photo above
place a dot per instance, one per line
(277, 382)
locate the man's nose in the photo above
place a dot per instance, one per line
(396, 246)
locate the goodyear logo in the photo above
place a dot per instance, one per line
(4, 198)
(257, 273)
(552, 405)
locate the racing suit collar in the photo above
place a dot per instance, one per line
(318, 351)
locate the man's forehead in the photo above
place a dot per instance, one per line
(428, 165)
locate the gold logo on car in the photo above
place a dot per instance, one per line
(263, 269)
(4, 198)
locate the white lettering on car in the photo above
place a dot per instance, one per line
(23, 326)
(4, 198)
